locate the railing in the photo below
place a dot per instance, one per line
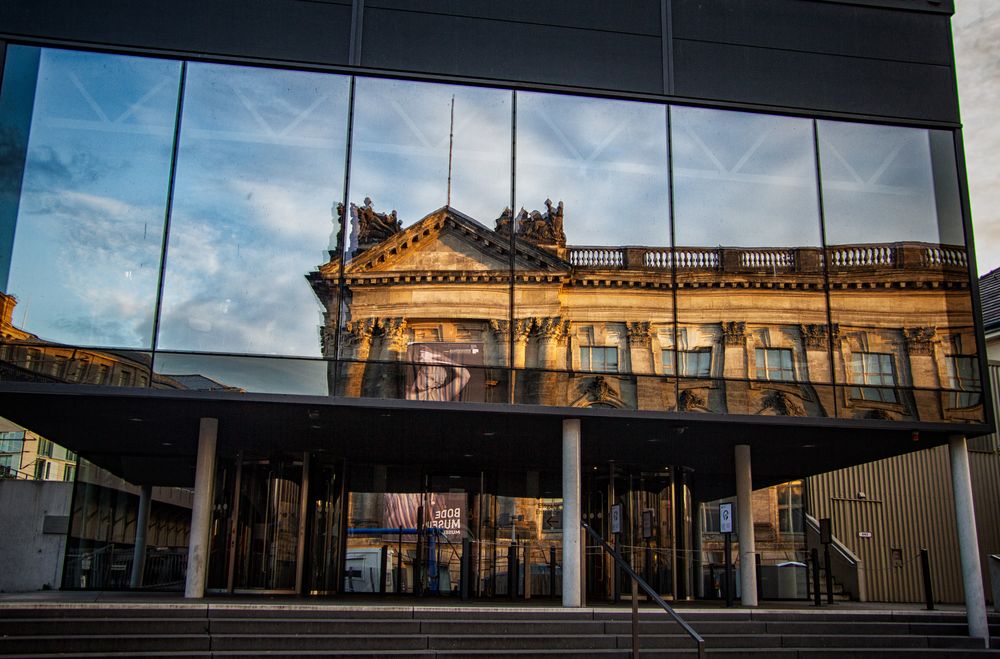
(856, 256)
(638, 582)
(847, 567)
(597, 257)
(945, 256)
(900, 255)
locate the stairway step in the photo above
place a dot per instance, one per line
(24, 626)
(319, 642)
(105, 643)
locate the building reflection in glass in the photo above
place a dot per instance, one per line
(653, 257)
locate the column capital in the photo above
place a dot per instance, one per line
(734, 333)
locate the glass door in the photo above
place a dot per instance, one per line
(268, 513)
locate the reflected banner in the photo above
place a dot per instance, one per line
(445, 372)
(444, 511)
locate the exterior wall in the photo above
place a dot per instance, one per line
(829, 56)
(905, 503)
(35, 520)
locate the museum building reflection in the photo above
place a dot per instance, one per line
(425, 315)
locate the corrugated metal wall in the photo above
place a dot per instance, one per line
(886, 511)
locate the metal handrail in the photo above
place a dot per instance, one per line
(639, 582)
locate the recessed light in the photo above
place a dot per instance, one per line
(167, 443)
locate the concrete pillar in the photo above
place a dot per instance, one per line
(572, 591)
(141, 526)
(696, 550)
(968, 542)
(201, 509)
(744, 518)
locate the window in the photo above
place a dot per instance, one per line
(775, 364)
(9, 465)
(790, 507)
(42, 469)
(599, 358)
(69, 471)
(11, 442)
(873, 368)
(963, 378)
(44, 447)
(693, 363)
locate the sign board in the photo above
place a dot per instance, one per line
(864, 534)
(647, 524)
(725, 517)
(616, 518)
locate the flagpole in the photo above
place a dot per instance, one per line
(451, 142)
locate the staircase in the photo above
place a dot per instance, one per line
(310, 630)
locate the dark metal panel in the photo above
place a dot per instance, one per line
(636, 17)
(276, 29)
(511, 51)
(815, 82)
(818, 27)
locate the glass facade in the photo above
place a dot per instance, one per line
(226, 228)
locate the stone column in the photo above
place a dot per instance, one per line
(501, 343)
(734, 368)
(141, 528)
(551, 332)
(640, 351)
(816, 343)
(357, 345)
(521, 330)
(395, 341)
(572, 548)
(968, 541)
(744, 518)
(201, 509)
(920, 342)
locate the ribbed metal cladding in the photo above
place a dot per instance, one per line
(886, 511)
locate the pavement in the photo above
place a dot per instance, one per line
(63, 598)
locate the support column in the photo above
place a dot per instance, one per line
(141, 526)
(201, 509)
(744, 517)
(572, 591)
(696, 551)
(968, 542)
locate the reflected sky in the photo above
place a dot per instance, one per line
(252, 374)
(878, 186)
(400, 149)
(87, 245)
(743, 179)
(606, 160)
(260, 166)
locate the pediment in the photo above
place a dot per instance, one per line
(447, 241)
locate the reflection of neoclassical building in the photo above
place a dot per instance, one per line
(724, 330)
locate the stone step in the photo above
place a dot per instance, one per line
(101, 626)
(104, 643)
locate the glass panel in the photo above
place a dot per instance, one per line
(592, 288)
(260, 172)
(271, 375)
(48, 362)
(427, 283)
(100, 545)
(900, 297)
(84, 265)
(751, 307)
